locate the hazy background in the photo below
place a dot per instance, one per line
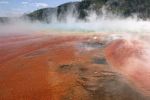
(11, 8)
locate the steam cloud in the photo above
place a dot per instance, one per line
(105, 23)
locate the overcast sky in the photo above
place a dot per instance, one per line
(19, 7)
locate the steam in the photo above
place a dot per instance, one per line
(131, 58)
(100, 25)
(16, 26)
(69, 21)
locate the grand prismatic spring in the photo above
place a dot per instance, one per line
(98, 58)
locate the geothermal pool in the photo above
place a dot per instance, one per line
(97, 60)
(43, 66)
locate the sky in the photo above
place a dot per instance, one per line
(11, 8)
